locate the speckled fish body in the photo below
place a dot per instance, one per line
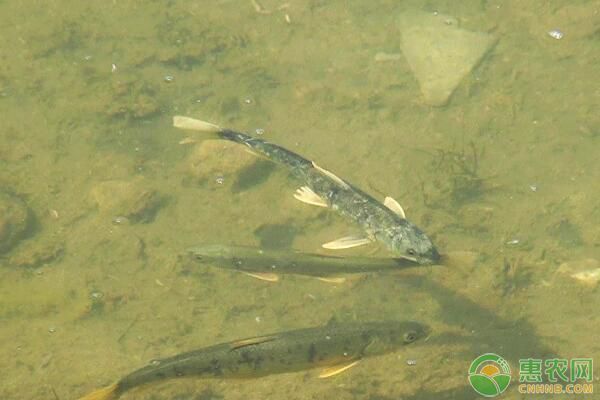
(331, 345)
(379, 222)
(283, 352)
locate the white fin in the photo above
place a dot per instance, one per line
(394, 206)
(252, 341)
(346, 242)
(338, 369)
(263, 276)
(331, 175)
(188, 140)
(194, 124)
(306, 195)
(332, 279)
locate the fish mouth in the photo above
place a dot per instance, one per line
(432, 257)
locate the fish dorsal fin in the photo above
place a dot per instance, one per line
(238, 344)
(337, 369)
(331, 175)
(393, 205)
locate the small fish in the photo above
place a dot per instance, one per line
(334, 347)
(259, 261)
(385, 223)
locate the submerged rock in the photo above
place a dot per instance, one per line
(440, 53)
(127, 199)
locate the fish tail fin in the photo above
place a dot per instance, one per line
(107, 393)
(195, 125)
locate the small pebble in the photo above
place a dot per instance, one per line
(259, 131)
(155, 363)
(113, 68)
(120, 220)
(219, 180)
(533, 188)
(248, 101)
(513, 242)
(96, 295)
(556, 34)
(52, 329)
(258, 319)
(169, 78)
(411, 362)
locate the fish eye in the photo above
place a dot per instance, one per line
(411, 252)
(410, 337)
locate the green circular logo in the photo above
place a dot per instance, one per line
(489, 375)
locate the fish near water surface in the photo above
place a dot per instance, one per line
(384, 223)
(334, 347)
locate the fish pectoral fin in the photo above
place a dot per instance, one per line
(308, 196)
(331, 175)
(263, 276)
(393, 205)
(337, 369)
(252, 341)
(332, 279)
(346, 242)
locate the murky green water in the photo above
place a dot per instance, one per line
(505, 178)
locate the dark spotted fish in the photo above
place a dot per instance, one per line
(334, 347)
(385, 223)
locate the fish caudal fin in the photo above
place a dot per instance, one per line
(107, 393)
(195, 124)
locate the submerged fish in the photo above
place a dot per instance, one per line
(335, 347)
(267, 263)
(385, 223)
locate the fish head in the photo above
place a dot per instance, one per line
(413, 244)
(394, 334)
